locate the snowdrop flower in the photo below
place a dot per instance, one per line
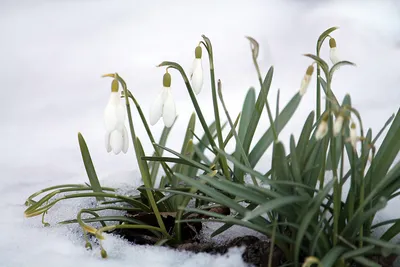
(322, 129)
(306, 80)
(197, 71)
(116, 138)
(337, 127)
(164, 105)
(333, 54)
(353, 139)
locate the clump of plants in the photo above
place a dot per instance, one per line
(306, 216)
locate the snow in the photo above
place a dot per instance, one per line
(54, 52)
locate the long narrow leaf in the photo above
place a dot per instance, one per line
(90, 170)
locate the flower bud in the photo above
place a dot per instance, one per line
(167, 80)
(198, 52)
(115, 86)
(103, 253)
(88, 246)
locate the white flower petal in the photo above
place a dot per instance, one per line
(333, 55)
(157, 107)
(169, 110)
(125, 138)
(107, 142)
(197, 75)
(304, 84)
(120, 114)
(110, 112)
(337, 127)
(116, 141)
(322, 130)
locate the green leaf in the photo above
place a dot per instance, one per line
(281, 168)
(247, 113)
(308, 216)
(259, 107)
(323, 36)
(294, 162)
(273, 205)
(387, 152)
(156, 165)
(187, 159)
(267, 138)
(357, 252)
(304, 139)
(217, 196)
(338, 65)
(144, 171)
(332, 256)
(324, 66)
(392, 232)
(90, 170)
(169, 159)
(238, 190)
(346, 102)
(387, 247)
(387, 123)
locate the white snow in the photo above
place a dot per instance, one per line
(54, 52)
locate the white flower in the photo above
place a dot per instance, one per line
(322, 129)
(354, 138)
(333, 54)
(164, 105)
(337, 127)
(196, 75)
(306, 80)
(116, 138)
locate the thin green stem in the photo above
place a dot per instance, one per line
(166, 168)
(224, 164)
(243, 154)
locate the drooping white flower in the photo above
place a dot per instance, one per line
(196, 75)
(116, 138)
(322, 129)
(164, 105)
(337, 126)
(306, 80)
(333, 54)
(353, 138)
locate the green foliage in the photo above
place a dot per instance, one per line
(305, 213)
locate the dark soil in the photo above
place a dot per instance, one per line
(256, 251)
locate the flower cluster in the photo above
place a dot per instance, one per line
(164, 105)
(322, 129)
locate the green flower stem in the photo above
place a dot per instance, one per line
(243, 154)
(318, 100)
(138, 149)
(320, 42)
(166, 168)
(223, 162)
(195, 103)
(336, 187)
